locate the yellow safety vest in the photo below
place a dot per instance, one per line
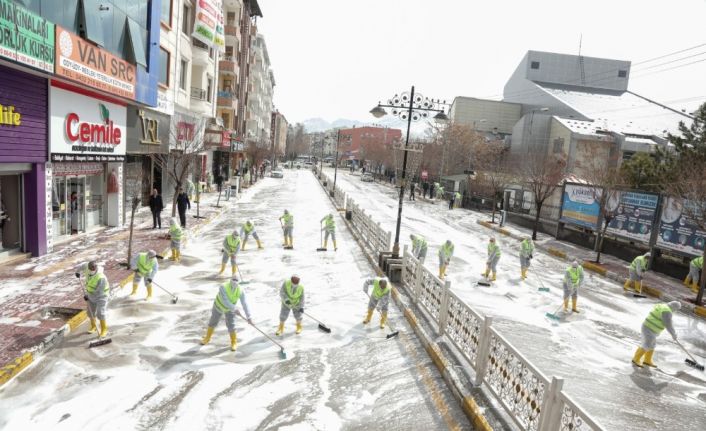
(93, 280)
(232, 294)
(654, 319)
(144, 266)
(296, 296)
(379, 292)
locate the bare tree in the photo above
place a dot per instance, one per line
(133, 194)
(256, 154)
(492, 176)
(451, 148)
(542, 174)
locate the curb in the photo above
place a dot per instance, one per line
(611, 275)
(13, 368)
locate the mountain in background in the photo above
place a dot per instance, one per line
(314, 125)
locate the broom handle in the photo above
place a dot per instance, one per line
(685, 351)
(259, 330)
(313, 318)
(153, 282)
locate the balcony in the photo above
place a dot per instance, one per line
(231, 29)
(227, 100)
(228, 65)
(200, 54)
(200, 102)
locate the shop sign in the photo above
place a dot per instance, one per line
(147, 131)
(25, 37)
(82, 126)
(150, 129)
(208, 25)
(8, 116)
(634, 215)
(580, 206)
(425, 175)
(80, 61)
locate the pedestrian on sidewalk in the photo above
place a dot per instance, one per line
(573, 279)
(419, 247)
(156, 207)
(96, 294)
(73, 209)
(380, 298)
(287, 222)
(526, 250)
(183, 204)
(329, 229)
(231, 245)
(425, 189)
(692, 280)
(145, 266)
(227, 298)
(175, 236)
(636, 271)
(452, 200)
(659, 318)
(446, 251)
(493, 257)
(412, 188)
(439, 191)
(432, 191)
(245, 231)
(292, 296)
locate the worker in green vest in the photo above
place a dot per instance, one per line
(245, 231)
(659, 318)
(457, 199)
(526, 250)
(175, 235)
(329, 230)
(379, 299)
(97, 290)
(494, 254)
(636, 271)
(287, 222)
(228, 296)
(231, 245)
(419, 247)
(573, 278)
(446, 251)
(145, 266)
(695, 267)
(292, 296)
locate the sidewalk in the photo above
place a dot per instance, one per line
(40, 299)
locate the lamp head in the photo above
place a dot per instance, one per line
(441, 116)
(378, 112)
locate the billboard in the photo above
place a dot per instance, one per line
(208, 24)
(26, 38)
(579, 205)
(677, 231)
(634, 215)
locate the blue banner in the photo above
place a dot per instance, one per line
(580, 206)
(634, 215)
(677, 231)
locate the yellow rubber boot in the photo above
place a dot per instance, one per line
(573, 305)
(299, 327)
(648, 359)
(627, 284)
(383, 320)
(242, 246)
(149, 292)
(223, 267)
(104, 328)
(335, 247)
(524, 273)
(441, 272)
(92, 328)
(291, 242)
(178, 255)
(174, 256)
(494, 276)
(566, 305)
(134, 289)
(280, 329)
(368, 316)
(637, 358)
(695, 287)
(638, 286)
(233, 269)
(487, 271)
(233, 341)
(259, 244)
(687, 281)
(206, 339)
(325, 243)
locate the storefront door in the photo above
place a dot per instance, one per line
(10, 212)
(76, 187)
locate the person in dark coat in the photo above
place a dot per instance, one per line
(182, 205)
(411, 191)
(156, 206)
(425, 188)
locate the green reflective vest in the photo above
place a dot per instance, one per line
(379, 292)
(175, 233)
(232, 294)
(446, 250)
(698, 262)
(419, 242)
(640, 260)
(144, 264)
(232, 243)
(457, 196)
(575, 274)
(527, 247)
(293, 296)
(93, 280)
(493, 248)
(329, 223)
(288, 219)
(248, 227)
(654, 319)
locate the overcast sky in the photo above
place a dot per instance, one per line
(337, 58)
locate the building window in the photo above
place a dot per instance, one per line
(136, 44)
(186, 20)
(226, 120)
(534, 65)
(622, 73)
(209, 88)
(558, 145)
(166, 16)
(230, 20)
(182, 77)
(164, 67)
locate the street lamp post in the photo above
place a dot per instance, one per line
(407, 106)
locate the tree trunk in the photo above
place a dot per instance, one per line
(494, 203)
(129, 241)
(601, 235)
(538, 207)
(218, 202)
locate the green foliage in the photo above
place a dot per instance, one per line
(646, 171)
(693, 139)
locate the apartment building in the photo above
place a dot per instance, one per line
(260, 87)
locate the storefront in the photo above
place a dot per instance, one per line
(87, 150)
(23, 154)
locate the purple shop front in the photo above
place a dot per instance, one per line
(23, 156)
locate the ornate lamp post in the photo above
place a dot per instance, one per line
(335, 170)
(410, 107)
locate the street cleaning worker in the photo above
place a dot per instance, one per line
(446, 251)
(493, 257)
(175, 234)
(637, 269)
(573, 278)
(526, 250)
(695, 267)
(287, 221)
(96, 294)
(231, 245)
(145, 266)
(228, 296)
(329, 229)
(457, 199)
(245, 231)
(292, 296)
(380, 298)
(659, 318)
(419, 247)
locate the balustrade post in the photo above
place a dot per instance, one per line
(483, 350)
(551, 409)
(444, 307)
(418, 280)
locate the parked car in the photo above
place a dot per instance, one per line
(299, 165)
(367, 177)
(277, 173)
(308, 165)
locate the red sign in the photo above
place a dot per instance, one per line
(425, 175)
(93, 133)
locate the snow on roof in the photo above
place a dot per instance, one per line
(621, 112)
(578, 126)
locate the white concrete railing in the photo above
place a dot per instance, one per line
(373, 235)
(535, 402)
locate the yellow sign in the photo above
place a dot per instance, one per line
(8, 116)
